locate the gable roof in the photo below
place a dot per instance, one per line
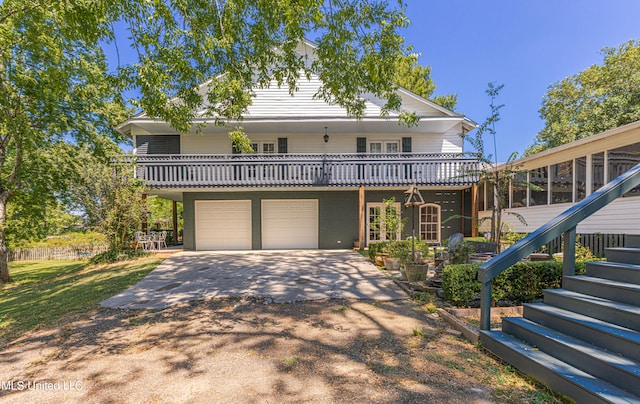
(276, 103)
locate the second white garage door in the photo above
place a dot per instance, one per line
(223, 225)
(289, 223)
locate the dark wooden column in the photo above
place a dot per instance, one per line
(361, 217)
(175, 223)
(474, 211)
(145, 219)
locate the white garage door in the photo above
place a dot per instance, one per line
(289, 223)
(223, 225)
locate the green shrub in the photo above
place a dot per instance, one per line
(522, 283)
(75, 238)
(112, 256)
(460, 283)
(375, 248)
(70, 239)
(398, 248)
(477, 239)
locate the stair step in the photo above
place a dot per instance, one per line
(606, 288)
(622, 314)
(554, 373)
(614, 271)
(615, 338)
(613, 368)
(627, 255)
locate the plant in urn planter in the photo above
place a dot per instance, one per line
(415, 270)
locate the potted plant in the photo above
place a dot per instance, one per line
(397, 250)
(415, 269)
(377, 252)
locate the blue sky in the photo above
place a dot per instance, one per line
(524, 44)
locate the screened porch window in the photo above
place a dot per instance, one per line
(623, 159)
(581, 179)
(562, 182)
(597, 171)
(519, 190)
(539, 177)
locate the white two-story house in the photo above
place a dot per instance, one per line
(317, 178)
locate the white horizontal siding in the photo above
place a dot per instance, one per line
(417, 105)
(622, 216)
(205, 144)
(275, 102)
(314, 143)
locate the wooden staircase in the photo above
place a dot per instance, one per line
(584, 340)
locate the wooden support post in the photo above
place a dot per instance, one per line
(463, 218)
(361, 217)
(175, 223)
(145, 220)
(474, 211)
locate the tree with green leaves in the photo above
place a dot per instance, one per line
(599, 98)
(107, 196)
(416, 78)
(191, 57)
(495, 176)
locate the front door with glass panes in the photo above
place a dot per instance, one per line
(377, 229)
(377, 170)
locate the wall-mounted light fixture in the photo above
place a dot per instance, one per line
(326, 136)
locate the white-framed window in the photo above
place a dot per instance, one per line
(376, 226)
(387, 147)
(266, 147)
(430, 223)
(384, 146)
(268, 171)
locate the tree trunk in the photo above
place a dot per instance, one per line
(4, 251)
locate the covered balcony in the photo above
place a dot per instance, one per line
(305, 170)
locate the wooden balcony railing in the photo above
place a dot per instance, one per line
(256, 170)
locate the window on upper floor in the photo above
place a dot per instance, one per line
(384, 146)
(157, 144)
(264, 147)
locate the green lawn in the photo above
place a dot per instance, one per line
(47, 293)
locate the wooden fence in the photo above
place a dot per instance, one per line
(78, 252)
(596, 242)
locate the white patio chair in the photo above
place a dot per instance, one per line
(153, 240)
(142, 240)
(162, 239)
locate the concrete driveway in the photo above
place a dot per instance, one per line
(277, 276)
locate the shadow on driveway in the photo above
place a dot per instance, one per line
(278, 276)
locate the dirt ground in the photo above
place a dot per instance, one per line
(243, 350)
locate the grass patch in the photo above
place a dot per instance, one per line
(417, 331)
(291, 360)
(48, 293)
